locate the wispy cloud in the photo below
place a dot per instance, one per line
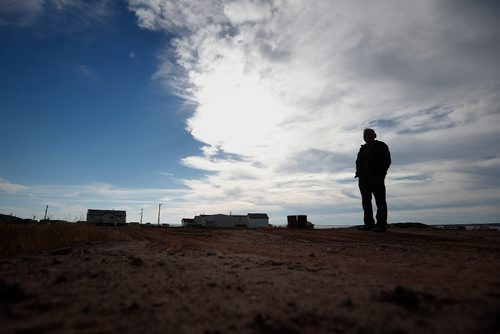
(132, 55)
(62, 15)
(86, 71)
(19, 13)
(9, 187)
(282, 90)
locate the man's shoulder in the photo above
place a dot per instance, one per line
(380, 143)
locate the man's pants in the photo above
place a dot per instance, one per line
(375, 186)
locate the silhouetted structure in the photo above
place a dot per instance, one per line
(9, 219)
(372, 164)
(106, 217)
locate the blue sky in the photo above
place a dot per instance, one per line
(81, 105)
(239, 106)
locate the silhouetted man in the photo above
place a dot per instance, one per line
(372, 164)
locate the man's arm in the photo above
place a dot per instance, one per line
(386, 154)
(359, 162)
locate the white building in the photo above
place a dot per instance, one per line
(251, 220)
(257, 220)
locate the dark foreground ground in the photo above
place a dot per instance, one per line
(149, 280)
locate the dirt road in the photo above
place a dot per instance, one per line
(160, 280)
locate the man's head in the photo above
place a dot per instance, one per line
(369, 135)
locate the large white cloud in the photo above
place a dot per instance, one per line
(281, 91)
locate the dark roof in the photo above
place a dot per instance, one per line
(105, 212)
(258, 216)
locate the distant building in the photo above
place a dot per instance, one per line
(257, 220)
(189, 222)
(251, 220)
(106, 217)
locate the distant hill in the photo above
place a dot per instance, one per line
(9, 219)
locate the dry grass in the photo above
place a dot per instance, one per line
(26, 239)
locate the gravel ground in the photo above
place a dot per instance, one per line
(173, 280)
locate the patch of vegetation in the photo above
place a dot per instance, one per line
(21, 239)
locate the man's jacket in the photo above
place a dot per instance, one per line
(373, 160)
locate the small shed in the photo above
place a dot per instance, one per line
(299, 221)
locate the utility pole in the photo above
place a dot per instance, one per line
(46, 209)
(159, 207)
(142, 210)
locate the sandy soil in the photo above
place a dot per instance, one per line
(258, 281)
